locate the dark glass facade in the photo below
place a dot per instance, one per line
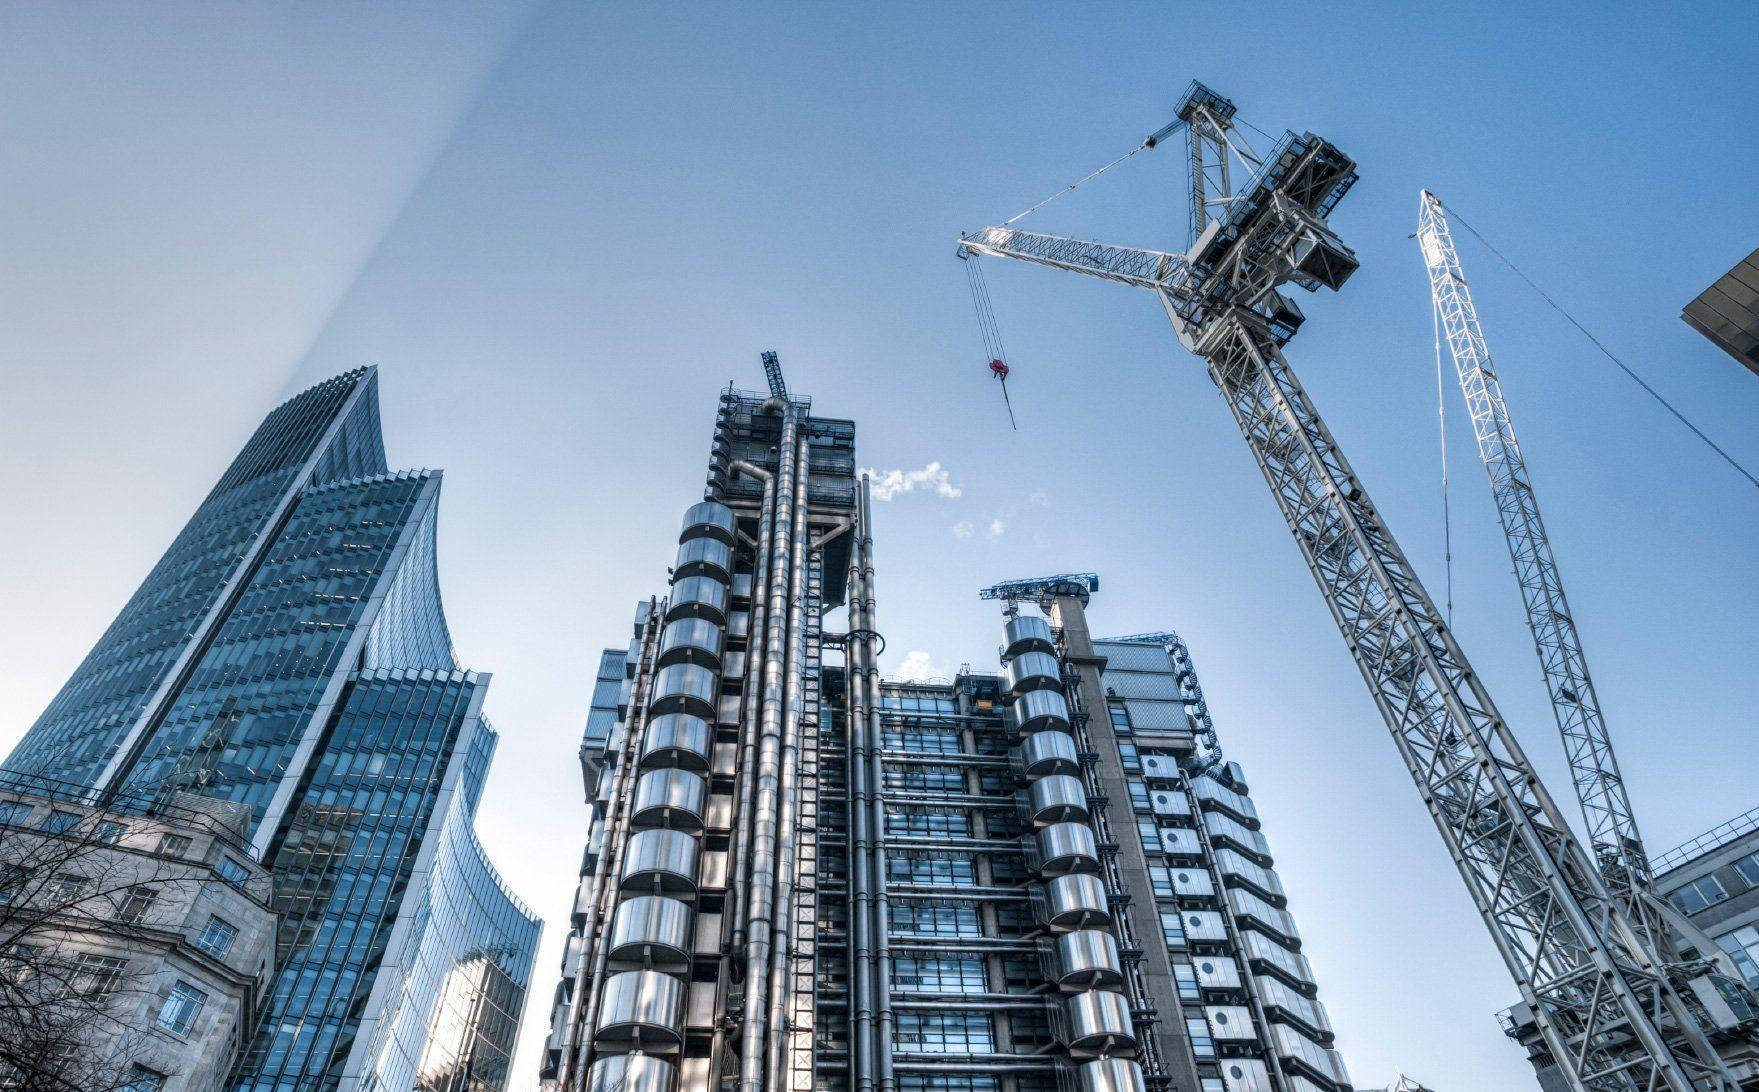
(290, 653)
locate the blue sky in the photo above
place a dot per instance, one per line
(560, 228)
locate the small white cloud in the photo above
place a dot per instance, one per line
(997, 528)
(889, 483)
(963, 529)
(917, 667)
(1040, 498)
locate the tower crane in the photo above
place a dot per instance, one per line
(1604, 1002)
(1594, 769)
(1042, 589)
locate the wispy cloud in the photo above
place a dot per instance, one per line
(1040, 498)
(997, 528)
(918, 667)
(933, 477)
(963, 529)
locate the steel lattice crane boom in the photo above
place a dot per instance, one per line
(1606, 807)
(1603, 1001)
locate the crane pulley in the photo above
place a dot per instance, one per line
(1605, 1004)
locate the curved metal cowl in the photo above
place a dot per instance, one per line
(669, 798)
(1087, 958)
(708, 557)
(1050, 753)
(692, 641)
(640, 1010)
(634, 1073)
(698, 597)
(661, 861)
(1077, 901)
(677, 739)
(1067, 847)
(1110, 1075)
(1099, 1020)
(1033, 671)
(709, 518)
(685, 688)
(1029, 633)
(1057, 798)
(1040, 711)
(651, 929)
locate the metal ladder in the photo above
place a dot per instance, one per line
(803, 959)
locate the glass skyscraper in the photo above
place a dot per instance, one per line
(289, 653)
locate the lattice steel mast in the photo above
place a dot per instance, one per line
(1606, 807)
(1604, 1004)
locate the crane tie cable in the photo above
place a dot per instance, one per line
(1441, 417)
(1571, 319)
(1084, 179)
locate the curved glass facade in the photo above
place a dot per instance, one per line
(290, 652)
(328, 431)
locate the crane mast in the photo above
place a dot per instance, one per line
(1603, 1002)
(1594, 769)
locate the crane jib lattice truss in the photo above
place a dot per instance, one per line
(1603, 1001)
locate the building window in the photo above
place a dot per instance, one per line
(60, 822)
(922, 740)
(1160, 877)
(181, 1008)
(1120, 717)
(1700, 893)
(1128, 756)
(14, 812)
(1172, 927)
(136, 901)
(1197, 1030)
(1139, 798)
(940, 921)
(940, 871)
(1214, 1084)
(945, 1033)
(232, 872)
(926, 778)
(66, 889)
(946, 1082)
(940, 974)
(926, 821)
(174, 845)
(142, 1079)
(1186, 976)
(216, 938)
(1742, 945)
(96, 975)
(1748, 868)
(108, 833)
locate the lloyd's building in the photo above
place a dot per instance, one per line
(289, 653)
(801, 877)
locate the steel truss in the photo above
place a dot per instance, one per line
(1603, 1001)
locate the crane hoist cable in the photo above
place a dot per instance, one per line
(1598, 344)
(1441, 419)
(992, 334)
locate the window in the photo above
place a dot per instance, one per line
(1160, 877)
(1128, 756)
(959, 920)
(216, 937)
(181, 1008)
(65, 889)
(1120, 717)
(1139, 798)
(1186, 976)
(1215, 1084)
(927, 778)
(60, 822)
(174, 845)
(944, 871)
(922, 740)
(1197, 1030)
(142, 1079)
(946, 1082)
(926, 821)
(136, 901)
(1748, 868)
(232, 872)
(1695, 896)
(14, 812)
(1742, 945)
(108, 833)
(1172, 928)
(1149, 831)
(13, 881)
(940, 974)
(1031, 1032)
(945, 1033)
(96, 975)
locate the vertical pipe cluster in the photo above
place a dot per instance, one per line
(770, 867)
(870, 1002)
(1098, 1027)
(642, 958)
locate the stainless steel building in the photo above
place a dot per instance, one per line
(801, 876)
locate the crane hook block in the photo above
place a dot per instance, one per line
(999, 370)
